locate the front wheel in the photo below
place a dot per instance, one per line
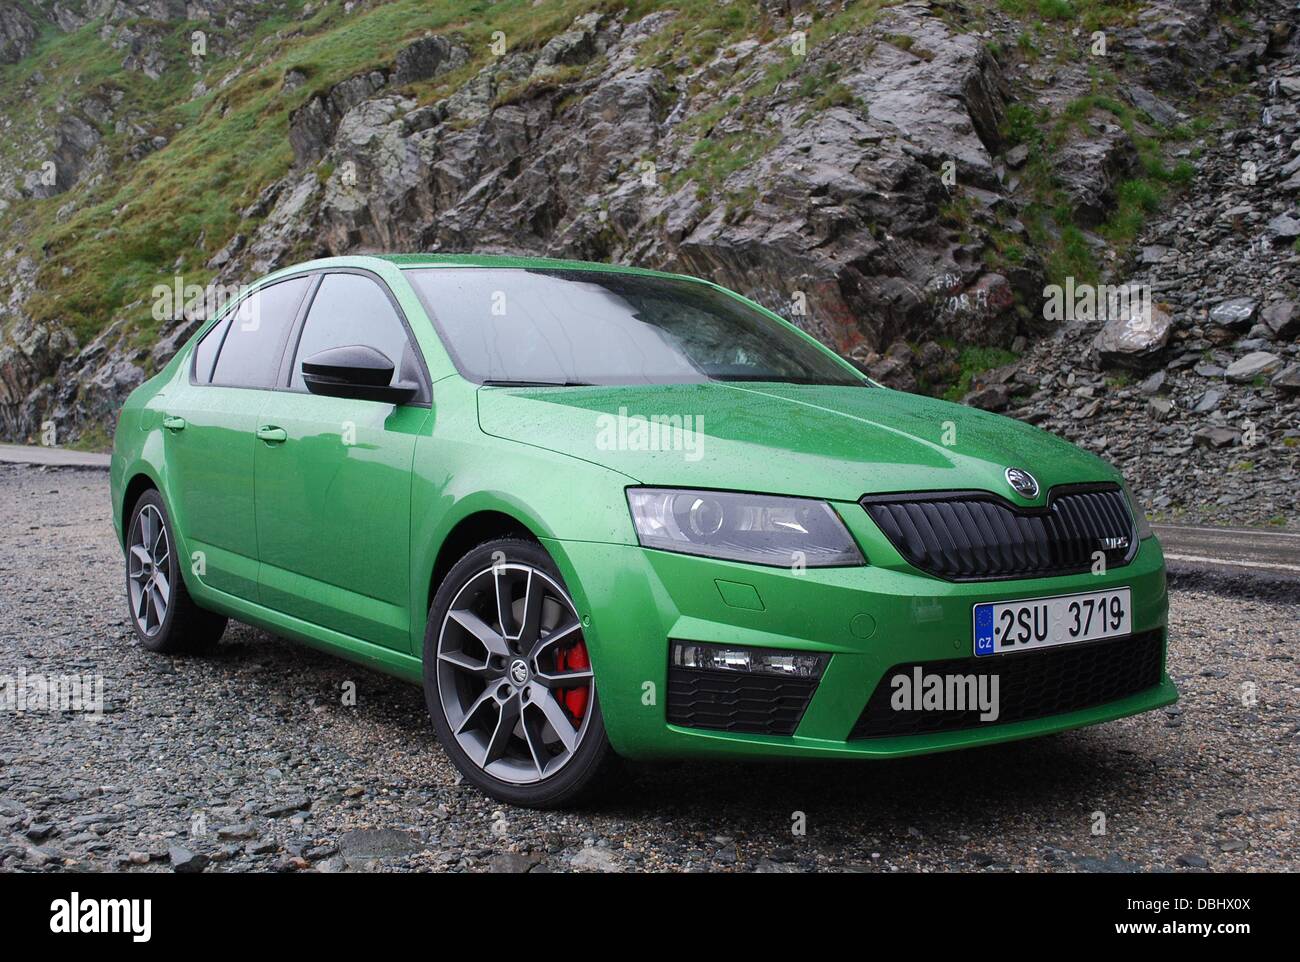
(508, 681)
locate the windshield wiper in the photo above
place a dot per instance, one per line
(784, 379)
(505, 382)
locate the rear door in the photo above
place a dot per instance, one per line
(209, 435)
(333, 475)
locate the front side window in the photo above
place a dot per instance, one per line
(351, 309)
(549, 326)
(250, 354)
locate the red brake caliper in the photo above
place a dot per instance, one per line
(573, 699)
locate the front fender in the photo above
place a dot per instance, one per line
(456, 477)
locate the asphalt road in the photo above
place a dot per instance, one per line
(1274, 553)
(51, 456)
(250, 759)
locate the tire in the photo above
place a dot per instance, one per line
(503, 646)
(163, 614)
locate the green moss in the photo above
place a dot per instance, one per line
(1073, 258)
(1135, 200)
(836, 95)
(95, 437)
(1004, 250)
(1024, 125)
(1028, 49)
(973, 361)
(715, 159)
(905, 42)
(529, 89)
(1056, 9)
(1091, 14)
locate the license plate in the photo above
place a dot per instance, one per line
(1006, 626)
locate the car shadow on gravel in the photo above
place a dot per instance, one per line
(1065, 774)
(321, 681)
(1032, 799)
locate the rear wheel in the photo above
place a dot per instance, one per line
(508, 681)
(164, 616)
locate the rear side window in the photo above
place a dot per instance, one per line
(250, 355)
(351, 309)
(206, 352)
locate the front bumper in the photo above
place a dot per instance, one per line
(868, 619)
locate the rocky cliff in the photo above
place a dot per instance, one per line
(901, 179)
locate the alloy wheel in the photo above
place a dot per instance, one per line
(513, 675)
(148, 561)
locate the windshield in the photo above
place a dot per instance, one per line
(511, 326)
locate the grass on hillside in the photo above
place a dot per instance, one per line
(172, 210)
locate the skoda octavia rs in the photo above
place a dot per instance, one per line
(602, 512)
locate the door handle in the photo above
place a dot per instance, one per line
(174, 423)
(272, 435)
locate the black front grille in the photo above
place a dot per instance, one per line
(977, 536)
(737, 701)
(1031, 684)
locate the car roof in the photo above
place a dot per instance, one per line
(415, 261)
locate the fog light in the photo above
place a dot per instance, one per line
(762, 661)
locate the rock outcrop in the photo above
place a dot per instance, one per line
(840, 211)
(1202, 411)
(18, 33)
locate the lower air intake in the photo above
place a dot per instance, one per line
(1031, 684)
(737, 702)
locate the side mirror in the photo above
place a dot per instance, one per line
(355, 371)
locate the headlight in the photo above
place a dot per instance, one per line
(758, 528)
(1143, 526)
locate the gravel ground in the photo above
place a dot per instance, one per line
(248, 760)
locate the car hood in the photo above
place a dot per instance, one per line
(811, 440)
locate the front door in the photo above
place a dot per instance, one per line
(333, 477)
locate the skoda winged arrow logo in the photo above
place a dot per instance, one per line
(1023, 482)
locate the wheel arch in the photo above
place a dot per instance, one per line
(142, 477)
(140, 482)
(473, 529)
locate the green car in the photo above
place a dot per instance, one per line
(601, 512)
